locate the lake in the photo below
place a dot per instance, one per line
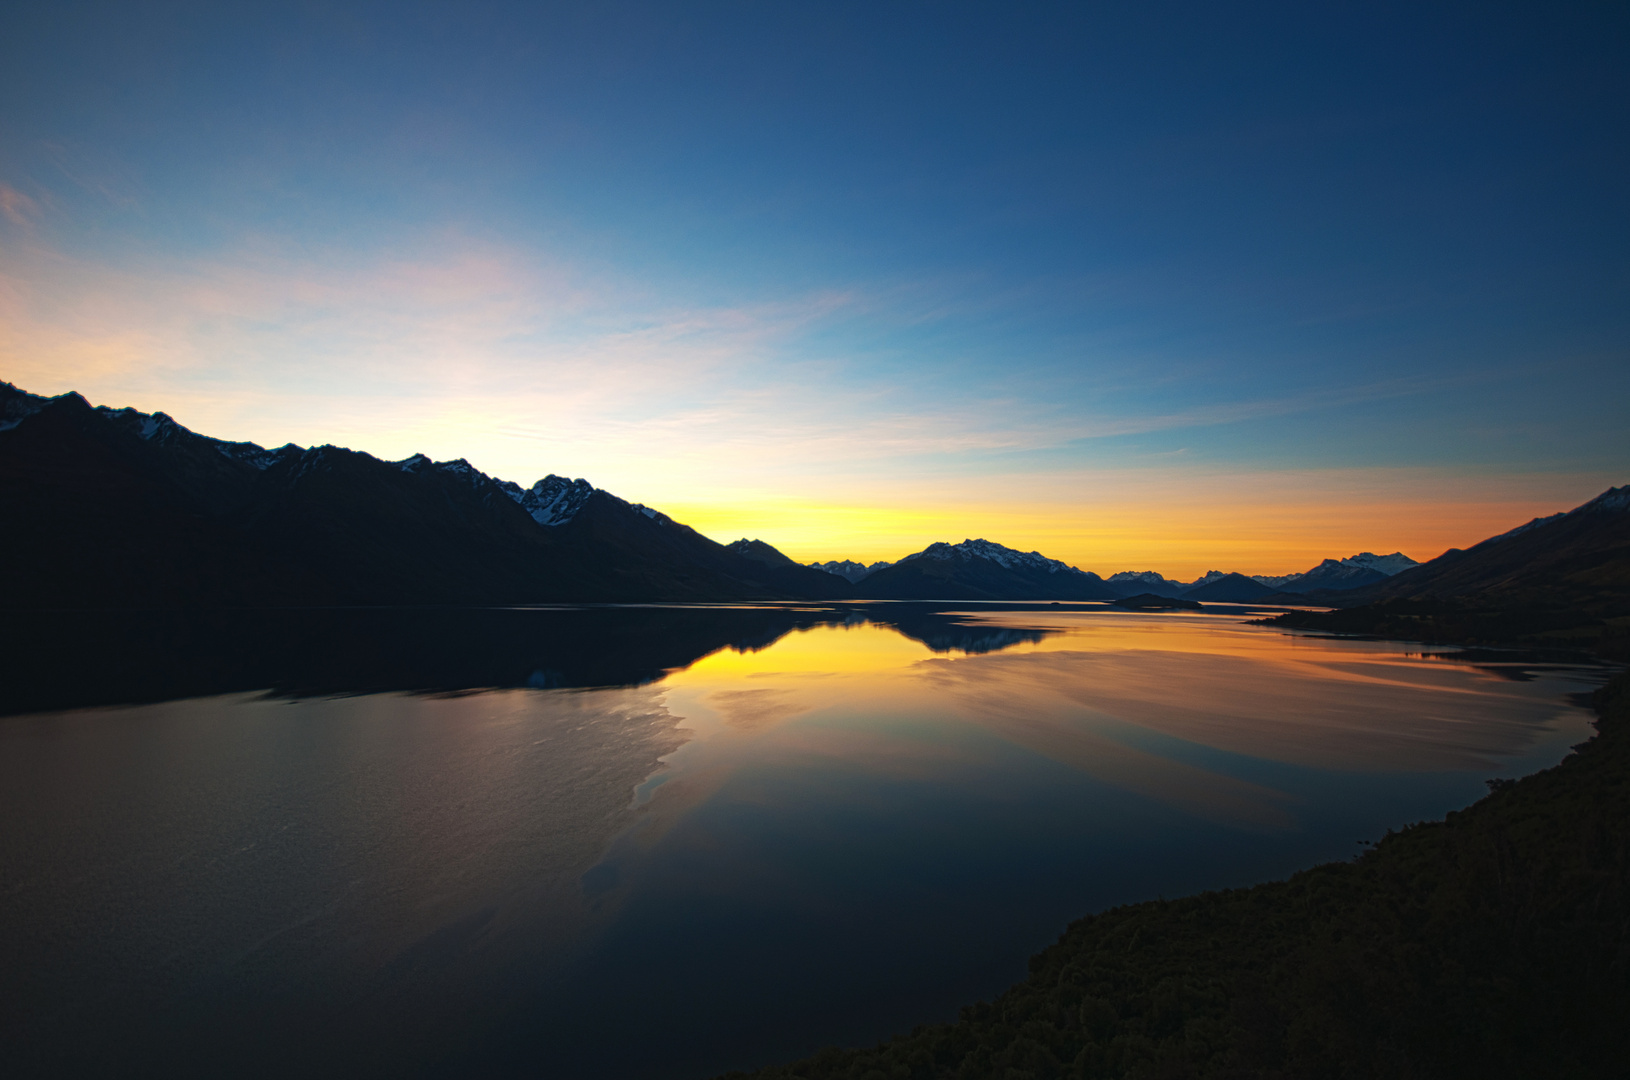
(664, 841)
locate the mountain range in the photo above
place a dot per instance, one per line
(1561, 581)
(1579, 558)
(848, 569)
(982, 570)
(118, 508)
(1331, 575)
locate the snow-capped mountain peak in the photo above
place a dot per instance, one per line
(849, 570)
(1365, 568)
(552, 501)
(1139, 577)
(1396, 563)
(1612, 501)
(1534, 524)
(1002, 556)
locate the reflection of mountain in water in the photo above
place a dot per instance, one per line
(944, 633)
(60, 660)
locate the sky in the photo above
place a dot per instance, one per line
(1169, 286)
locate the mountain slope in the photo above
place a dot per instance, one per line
(1560, 581)
(1140, 582)
(1354, 572)
(1229, 589)
(981, 570)
(1578, 557)
(849, 570)
(115, 508)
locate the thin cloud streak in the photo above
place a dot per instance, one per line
(18, 208)
(487, 334)
(726, 416)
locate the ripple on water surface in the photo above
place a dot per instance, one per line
(815, 826)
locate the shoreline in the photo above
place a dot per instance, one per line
(1490, 943)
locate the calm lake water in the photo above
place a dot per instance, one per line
(664, 842)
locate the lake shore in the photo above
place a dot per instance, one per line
(1490, 944)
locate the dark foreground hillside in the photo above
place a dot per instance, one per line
(1495, 943)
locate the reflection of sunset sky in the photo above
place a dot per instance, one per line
(1133, 701)
(840, 807)
(1135, 290)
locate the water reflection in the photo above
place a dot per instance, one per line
(742, 832)
(69, 659)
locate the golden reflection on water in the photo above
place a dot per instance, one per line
(1105, 694)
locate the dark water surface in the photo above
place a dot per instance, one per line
(662, 842)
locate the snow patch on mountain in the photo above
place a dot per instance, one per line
(1277, 581)
(1534, 524)
(458, 468)
(163, 429)
(1364, 568)
(318, 457)
(552, 501)
(1141, 577)
(1396, 563)
(849, 570)
(1005, 557)
(1612, 501)
(17, 405)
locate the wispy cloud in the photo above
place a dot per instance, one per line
(752, 417)
(18, 208)
(94, 171)
(466, 347)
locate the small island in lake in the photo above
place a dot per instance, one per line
(1150, 602)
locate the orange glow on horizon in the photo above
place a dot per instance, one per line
(1181, 542)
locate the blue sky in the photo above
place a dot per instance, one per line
(1170, 285)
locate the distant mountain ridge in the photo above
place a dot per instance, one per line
(1579, 556)
(1230, 589)
(1561, 581)
(115, 507)
(849, 570)
(1355, 571)
(981, 570)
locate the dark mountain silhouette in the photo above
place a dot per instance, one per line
(1230, 589)
(1330, 576)
(122, 509)
(1156, 602)
(1582, 556)
(1145, 582)
(760, 552)
(981, 570)
(1560, 581)
(850, 570)
(1333, 575)
(115, 508)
